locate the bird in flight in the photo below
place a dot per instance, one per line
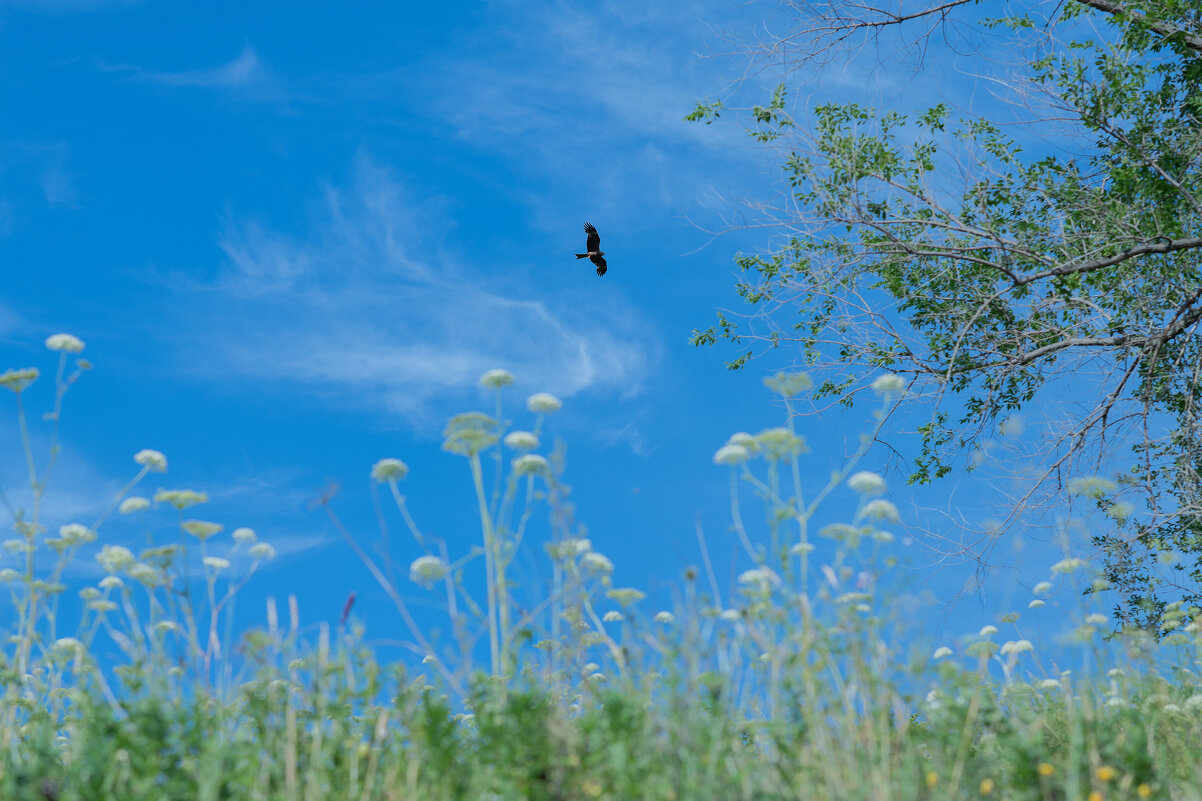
(593, 246)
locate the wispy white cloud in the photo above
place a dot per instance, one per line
(245, 73)
(371, 307)
(243, 69)
(57, 186)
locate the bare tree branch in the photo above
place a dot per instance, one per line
(1166, 29)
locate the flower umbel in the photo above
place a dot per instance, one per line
(389, 470)
(64, 342)
(155, 460)
(201, 529)
(543, 403)
(788, 385)
(17, 380)
(779, 443)
(425, 570)
(470, 433)
(889, 385)
(262, 550)
(530, 464)
(133, 504)
(521, 441)
(115, 558)
(181, 499)
(731, 454)
(867, 484)
(495, 379)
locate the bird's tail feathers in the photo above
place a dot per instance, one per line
(582, 255)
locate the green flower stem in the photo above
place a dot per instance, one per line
(497, 610)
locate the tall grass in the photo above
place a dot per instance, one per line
(808, 681)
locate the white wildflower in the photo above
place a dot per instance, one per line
(779, 443)
(1037, 603)
(8, 575)
(730, 615)
(594, 562)
(664, 617)
(1096, 619)
(742, 438)
(888, 385)
(880, 509)
(988, 631)
(1091, 486)
(18, 380)
(521, 440)
(111, 583)
(389, 470)
(76, 534)
(612, 617)
(941, 652)
(495, 379)
(788, 385)
(133, 504)
(1068, 565)
(216, 562)
(164, 626)
(64, 342)
(115, 558)
(181, 499)
(1017, 646)
(626, 596)
(759, 579)
(152, 459)
(67, 645)
(569, 548)
(201, 529)
(1049, 684)
(426, 570)
(867, 483)
(800, 548)
(262, 550)
(731, 454)
(530, 464)
(1042, 588)
(543, 403)
(244, 535)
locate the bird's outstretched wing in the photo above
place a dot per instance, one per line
(593, 243)
(600, 262)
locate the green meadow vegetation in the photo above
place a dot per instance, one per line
(808, 681)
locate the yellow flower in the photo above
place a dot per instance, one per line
(1144, 790)
(591, 787)
(1095, 796)
(1045, 769)
(1106, 773)
(987, 787)
(932, 778)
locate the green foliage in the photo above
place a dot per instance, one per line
(940, 248)
(804, 683)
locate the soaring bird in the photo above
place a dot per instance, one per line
(593, 246)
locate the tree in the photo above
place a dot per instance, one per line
(988, 266)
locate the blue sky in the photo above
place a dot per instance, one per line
(294, 235)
